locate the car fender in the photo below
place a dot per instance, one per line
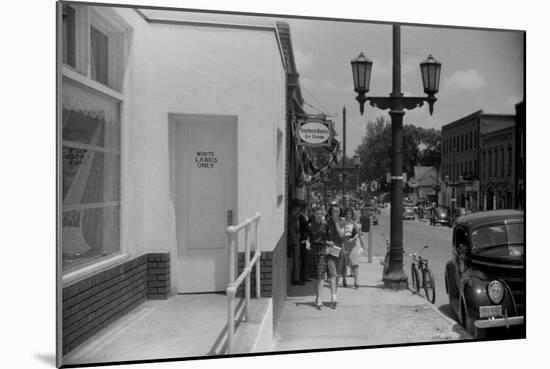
(474, 294)
(450, 278)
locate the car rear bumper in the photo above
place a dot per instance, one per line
(500, 322)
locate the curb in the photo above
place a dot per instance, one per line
(423, 301)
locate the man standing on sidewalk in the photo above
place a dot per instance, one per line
(294, 247)
(302, 222)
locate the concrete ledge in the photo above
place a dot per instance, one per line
(256, 335)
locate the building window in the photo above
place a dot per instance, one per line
(99, 56)
(94, 44)
(489, 164)
(90, 176)
(475, 169)
(509, 161)
(495, 167)
(502, 162)
(69, 35)
(280, 169)
(483, 163)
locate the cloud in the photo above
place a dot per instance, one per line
(468, 80)
(303, 61)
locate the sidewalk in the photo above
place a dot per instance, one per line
(182, 326)
(367, 316)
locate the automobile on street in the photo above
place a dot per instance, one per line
(440, 216)
(409, 213)
(485, 278)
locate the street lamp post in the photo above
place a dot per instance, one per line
(395, 276)
(357, 163)
(344, 156)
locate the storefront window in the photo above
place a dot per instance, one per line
(90, 176)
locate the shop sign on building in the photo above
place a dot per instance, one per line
(314, 132)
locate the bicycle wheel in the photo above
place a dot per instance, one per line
(429, 285)
(415, 278)
(386, 263)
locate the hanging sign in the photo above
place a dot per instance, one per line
(314, 132)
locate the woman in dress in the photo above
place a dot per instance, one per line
(336, 261)
(351, 235)
(316, 245)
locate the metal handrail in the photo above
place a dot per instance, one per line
(234, 284)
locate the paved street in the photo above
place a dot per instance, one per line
(416, 234)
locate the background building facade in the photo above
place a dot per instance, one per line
(498, 169)
(464, 163)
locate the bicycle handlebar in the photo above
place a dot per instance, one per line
(418, 252)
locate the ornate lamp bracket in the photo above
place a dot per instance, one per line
(397, 103)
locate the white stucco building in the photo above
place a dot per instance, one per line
(173, 125)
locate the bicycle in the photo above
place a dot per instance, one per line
(420, 269)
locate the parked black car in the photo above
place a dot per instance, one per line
(485, 279)
(440, 216)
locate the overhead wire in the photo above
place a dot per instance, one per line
(314, 98)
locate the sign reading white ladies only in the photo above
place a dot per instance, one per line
(314, 132)
(205, 159)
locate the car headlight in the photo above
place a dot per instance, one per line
(495, 290)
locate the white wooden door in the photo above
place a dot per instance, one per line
(206, 192)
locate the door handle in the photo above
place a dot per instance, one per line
(230, 217)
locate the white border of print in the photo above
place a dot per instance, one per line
(28, 185)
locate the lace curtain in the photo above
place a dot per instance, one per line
(90, 175)
(82, 100)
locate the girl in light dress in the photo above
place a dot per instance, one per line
(353, 243)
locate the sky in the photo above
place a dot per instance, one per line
(481, 70)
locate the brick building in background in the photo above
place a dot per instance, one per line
(461, 158)
(497, 174)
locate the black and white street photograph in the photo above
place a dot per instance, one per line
(238, 182)
(239, 176)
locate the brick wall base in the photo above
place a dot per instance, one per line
(93, 303)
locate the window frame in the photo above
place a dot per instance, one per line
(109, 23)
(88, 266)
(105, 20)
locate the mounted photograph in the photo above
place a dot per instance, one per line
(231, 183)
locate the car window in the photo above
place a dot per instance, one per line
(461, 237)
(498, 235)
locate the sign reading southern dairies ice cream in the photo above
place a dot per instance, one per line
(314, 132)
(205, 159)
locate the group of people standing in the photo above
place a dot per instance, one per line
(324, 245)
